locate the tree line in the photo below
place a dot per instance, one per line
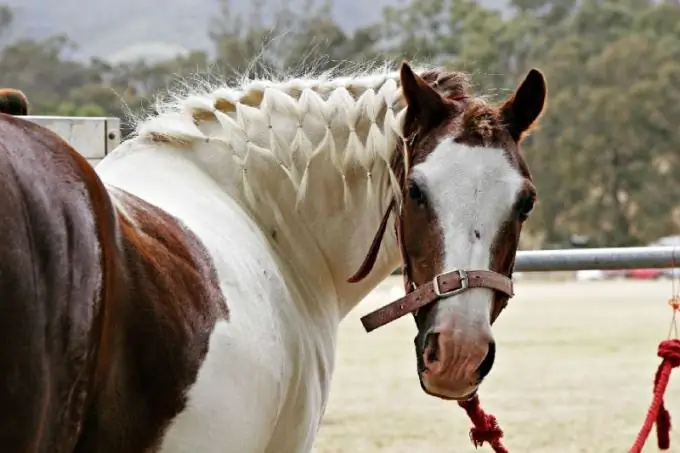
(605, 158)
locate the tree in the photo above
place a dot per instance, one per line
(606, 149)
(40, 69)
(6, 20)
(290, 42)
(603, 157)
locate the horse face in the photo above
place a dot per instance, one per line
(466, 195)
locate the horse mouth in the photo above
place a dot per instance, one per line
(442, 393)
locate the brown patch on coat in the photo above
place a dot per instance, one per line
(106, 312)
(172, 302)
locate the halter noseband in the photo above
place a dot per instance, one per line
(443, 285)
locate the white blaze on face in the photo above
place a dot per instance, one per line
(471, 191)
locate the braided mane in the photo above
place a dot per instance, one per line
(353, 121)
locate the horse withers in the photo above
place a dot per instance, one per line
(186, 296)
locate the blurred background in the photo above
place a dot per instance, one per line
(606, 156)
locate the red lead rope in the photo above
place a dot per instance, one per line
(669, 351)
(485, 427)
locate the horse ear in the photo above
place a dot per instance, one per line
(521, 110)
(425, 105)
(13, 102)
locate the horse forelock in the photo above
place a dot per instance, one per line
(449, 84)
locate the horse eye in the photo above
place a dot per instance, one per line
(416, 194)
(525, 206)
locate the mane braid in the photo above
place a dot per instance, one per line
(355, 121)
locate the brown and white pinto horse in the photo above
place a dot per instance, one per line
(114, 285)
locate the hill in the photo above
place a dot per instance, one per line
(128, 28)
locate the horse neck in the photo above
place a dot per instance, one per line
(322, 231)
(311, 161)
(337, 221)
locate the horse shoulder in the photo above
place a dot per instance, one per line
(251, 358)
(165, 302)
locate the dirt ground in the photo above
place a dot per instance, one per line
(573, 373)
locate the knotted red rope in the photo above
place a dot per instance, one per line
(485, 427)
(669, 351)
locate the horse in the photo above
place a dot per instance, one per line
(185, 295)
(13, 102)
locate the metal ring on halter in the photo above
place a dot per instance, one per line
(464, 284)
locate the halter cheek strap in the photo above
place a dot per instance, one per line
(372, 255)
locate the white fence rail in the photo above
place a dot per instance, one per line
(598, 258)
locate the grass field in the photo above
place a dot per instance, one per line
(573, 373)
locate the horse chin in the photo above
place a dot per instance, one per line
(449, 394)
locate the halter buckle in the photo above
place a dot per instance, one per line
(464, 284)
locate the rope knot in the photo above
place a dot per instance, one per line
(488, 432)
(485, 426)
(669, 351)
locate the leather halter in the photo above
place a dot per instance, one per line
(443, 285)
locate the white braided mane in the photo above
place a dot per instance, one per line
(355, 121)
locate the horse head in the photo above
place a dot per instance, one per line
(466, 192)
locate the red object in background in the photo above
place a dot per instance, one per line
(645, 274)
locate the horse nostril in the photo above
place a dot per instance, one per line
(487, 363)
(431, 351)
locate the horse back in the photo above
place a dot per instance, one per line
(50, 280)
